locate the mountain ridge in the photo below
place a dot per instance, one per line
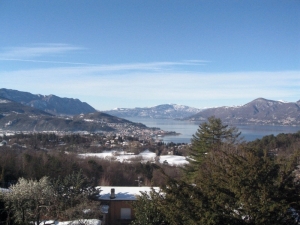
(260, 111)
(164, 111)
(15, 116)
(48, 103)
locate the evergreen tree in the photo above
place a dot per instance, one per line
(235, 189)
(250, 188)
(211, 135)
(148, 209)
(74, 194)
(232, 184)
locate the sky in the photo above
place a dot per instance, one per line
(133, 53)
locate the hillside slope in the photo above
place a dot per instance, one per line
(17, 117)
(48, 103)
(165, 111)
(258, 111)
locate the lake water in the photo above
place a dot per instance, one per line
(187, 129)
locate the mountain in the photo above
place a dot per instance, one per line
(259, 111)
(48, 103)
(8, 107)
(166, 111)
(15, 116)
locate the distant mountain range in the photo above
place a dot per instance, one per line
(166, 111)
(48, 103)
(46, 112)
(15, 116)
(259, 111)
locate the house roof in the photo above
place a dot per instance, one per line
(123, 193)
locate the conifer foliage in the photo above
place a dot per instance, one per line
(210, 136)
(74, 195)
(232, 184)
(247, 188)
(148, 209)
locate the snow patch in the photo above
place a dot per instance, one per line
(4, 101)
(174, 160)
(144, 156)
(74, 222)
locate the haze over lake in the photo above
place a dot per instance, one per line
(187, 129)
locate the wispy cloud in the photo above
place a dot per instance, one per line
(35, 50)
(130, 85)
(107, 86)
(45, 61)
(115, 67)
(33, 54)
(152, 66)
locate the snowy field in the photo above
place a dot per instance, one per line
(144, 156)
(75, 222)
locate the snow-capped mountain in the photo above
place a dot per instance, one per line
(258, 111)
(165, 111)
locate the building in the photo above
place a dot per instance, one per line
(116, 203)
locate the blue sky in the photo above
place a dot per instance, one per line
(145, 53)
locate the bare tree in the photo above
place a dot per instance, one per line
(29, 200)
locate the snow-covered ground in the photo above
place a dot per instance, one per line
(173, 159)
(74, 222)
(144, 156)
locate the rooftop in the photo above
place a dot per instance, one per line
(124, 193)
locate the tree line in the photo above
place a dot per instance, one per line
(32, 164)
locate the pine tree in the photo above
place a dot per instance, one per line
(250, 188)
(148, 209)
(210, 136)
(232, 184)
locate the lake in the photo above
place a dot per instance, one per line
(187, 129)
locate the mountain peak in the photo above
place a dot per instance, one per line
(262, 100)
(259, 111)
(164, 111)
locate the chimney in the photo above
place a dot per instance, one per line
(112, 193)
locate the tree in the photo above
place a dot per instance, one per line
(75, 197)
(148, 209)
(250, 188)
(69, 198)
(243, 188)
(29, 200)
(178, 203)
(211, 135)
(232, 184)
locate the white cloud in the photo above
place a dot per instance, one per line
(35, 50)
(109, 86)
